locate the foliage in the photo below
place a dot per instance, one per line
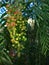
(26, 45)
(4, 58)
(38, 11)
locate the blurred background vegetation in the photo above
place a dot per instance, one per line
(25, 39)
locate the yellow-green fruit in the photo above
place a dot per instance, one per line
(16, 42)
(24, 38)
(16, 38)
(13, 45)
(19, 34)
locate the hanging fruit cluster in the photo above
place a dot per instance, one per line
(17, 28)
